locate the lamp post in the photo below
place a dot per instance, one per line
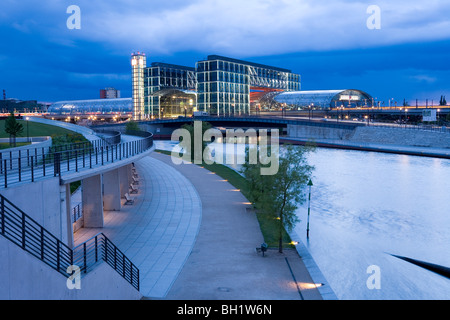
(28, 134)
(309, 207)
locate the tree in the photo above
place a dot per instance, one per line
(132, 126)
(279, 195)
(13, 128)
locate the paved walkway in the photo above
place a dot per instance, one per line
(193, 237)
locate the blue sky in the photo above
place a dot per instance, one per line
(327, 42)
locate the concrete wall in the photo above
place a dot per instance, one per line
(44, 201)
(24, 277)
(375, 135)
(399, 136)
(315, 132)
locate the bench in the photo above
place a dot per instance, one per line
(128, 199)
(133, 189)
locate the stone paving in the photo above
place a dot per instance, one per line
(158, 231)
(193, 237)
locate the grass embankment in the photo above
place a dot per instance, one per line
(36, 129)
(268, 224)
(6, 145)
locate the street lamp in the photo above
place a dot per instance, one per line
(309, 207)
(406, 117)
(28, 134)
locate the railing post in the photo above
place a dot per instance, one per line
(131, 273)
(115, 257)
(6, 174)
(138, 277)
(42, 243)
(96, 249)
(43, 163)
(57, 255)
(56, 164)
(124, 265)
(20, 168)
(76, 160)
(2, 208)
(32, 169)
(106, 249)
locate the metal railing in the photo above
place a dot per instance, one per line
(109, 136)
(100, 248)
(71, 158)
(77, 212)
(30, 236)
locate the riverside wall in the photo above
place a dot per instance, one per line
(373, 135)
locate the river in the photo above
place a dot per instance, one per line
(366, 206)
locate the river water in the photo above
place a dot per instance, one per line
(366, 206)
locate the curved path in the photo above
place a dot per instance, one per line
(158, 231)
(193, 237)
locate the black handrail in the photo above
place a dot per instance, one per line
(38, 163)
(29, 235)
(113, 137)
(101, 248)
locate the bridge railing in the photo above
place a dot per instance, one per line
(67, 159)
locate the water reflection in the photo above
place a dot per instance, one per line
(366, 205)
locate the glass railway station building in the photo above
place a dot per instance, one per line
(218, 85)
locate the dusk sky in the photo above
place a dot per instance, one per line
(327, 42)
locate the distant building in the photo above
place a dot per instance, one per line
(109, 93)
(324, 99)
(219, 85)
(19, 106)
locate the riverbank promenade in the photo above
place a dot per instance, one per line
(193, 237)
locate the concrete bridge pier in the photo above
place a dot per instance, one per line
(92, 201)
(65, 197)
(123, 180)
(111, 190)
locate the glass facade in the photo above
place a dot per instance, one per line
(325, 99)
(220, 86)
(224, 84)
(138, 64)
(86, 107)
(159, 100)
